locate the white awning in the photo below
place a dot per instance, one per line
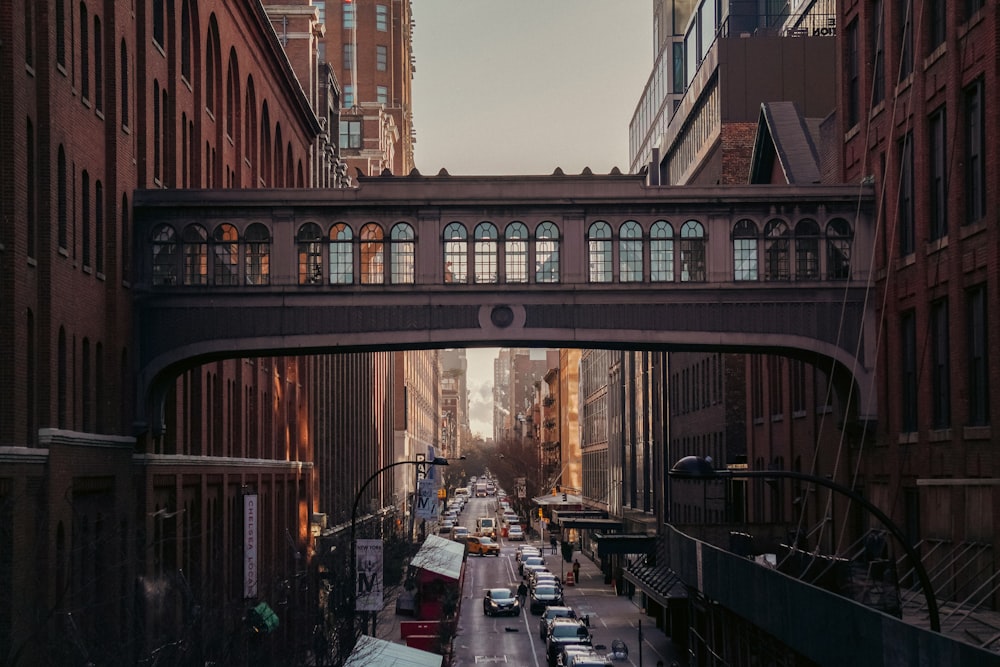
(372, 652)
(557, 499)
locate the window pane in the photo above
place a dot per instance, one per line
(341, 254)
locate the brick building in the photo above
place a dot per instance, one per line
(123, 541)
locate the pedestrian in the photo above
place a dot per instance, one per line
(522, 592)
(552, 543)
(576, 569)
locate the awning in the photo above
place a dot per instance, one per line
(557, 499)
(653, 577)
(372, 652)
(589, 523)
(624, 544)
(441, 556)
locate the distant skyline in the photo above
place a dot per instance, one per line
(523, 87)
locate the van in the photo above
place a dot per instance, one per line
(487, 526)
(462, 492)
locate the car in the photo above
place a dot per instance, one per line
(525, 550)
(551, 612)
(545, 579)
(501, 602)
(460, 533)
(544, 595)
(528, 569)
(535, 570)
(482, 545)
(446, 527)
(563, 632)
(578, 655)
(515, 533)
(530, 560)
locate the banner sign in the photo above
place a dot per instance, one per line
(369, 585)
(250, 545)
(427, 499)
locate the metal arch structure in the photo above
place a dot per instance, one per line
(183, 323)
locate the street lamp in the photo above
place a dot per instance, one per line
(436, 461)
(694, 467)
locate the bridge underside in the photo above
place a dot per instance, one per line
(819, 325)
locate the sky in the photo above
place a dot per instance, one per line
(522, 87)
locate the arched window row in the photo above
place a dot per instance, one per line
(373, 253)
(803, 251)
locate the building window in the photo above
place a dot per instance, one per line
(908, 372)
(310, 251)
(630, 252)
(806, 250)
(158, 22)
(456, 257)
(971, 7)
(838, 249)
(978, 361)
(937, 24)
(852, 74)
(349, 21)
(372, 254)
(31, 190)
(382, 94)
(62, 201)
(348, 97)
(937, 178)
(98, 66)
(381, 58)
(348, 56)
(257, 267)
(164, 249)
(485, 251)
(85, 208)
(403, 254)
(29, 33)
(905, 213)
(877, 49)
(350, 134)
(778, 262)
(940, 368)
(905, 14)
(99, 227)
(515, 249)
(123, 88)
(195, 248)
(186, 41)
(226, 255)
(692, 252)
(975, 152)
(661, 252)
(84, 53)
(547, 253)
(61, 32)
(381, 18)
(745, 250)
(341, 254)
(599, 245)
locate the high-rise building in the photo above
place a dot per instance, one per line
(369, 45)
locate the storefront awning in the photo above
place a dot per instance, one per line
(372, 652)
(629, 543)
(589, 523)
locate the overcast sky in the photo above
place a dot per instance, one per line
(522, 87)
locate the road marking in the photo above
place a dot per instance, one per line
(487, 659)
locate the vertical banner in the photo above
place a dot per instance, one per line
(368, 586)
(427, 499)
(250, 545)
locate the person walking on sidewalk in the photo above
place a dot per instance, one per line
(576, 570)
(552, 542)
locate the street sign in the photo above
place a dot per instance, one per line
(427, 502)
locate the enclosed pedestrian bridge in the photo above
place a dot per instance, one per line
(442, 261)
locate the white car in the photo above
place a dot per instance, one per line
(514, 532)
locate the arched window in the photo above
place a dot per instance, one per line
(486, 253)
(226, 255)
(599, 252)
(456, 249)
(250, 129)
(661, 252)
(85, 216)
(232, 94)
(807, 250)
(264, 170)
(838, 249)
(98, 227)
(123, 87)
(98, 66)
(402, 252)
(257, 246)
(515, 251)
(186, 41)
(372, 254)
(776, 251)
(547, 253)
(630, 252)
(310, 251)
(84, 53)
(279, 173)
(195, 255)
(745, 250)
(341, 254)
(62, 203)
(692, 252)
(165, 251)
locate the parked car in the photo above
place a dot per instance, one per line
(526, 550)
(563, 632)
(501, 601)
(545, 579)
(514, 532)
(446, 527)
(460, 533)
(553, 611)
(542, 596)
(530, 560)
(482, 545)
